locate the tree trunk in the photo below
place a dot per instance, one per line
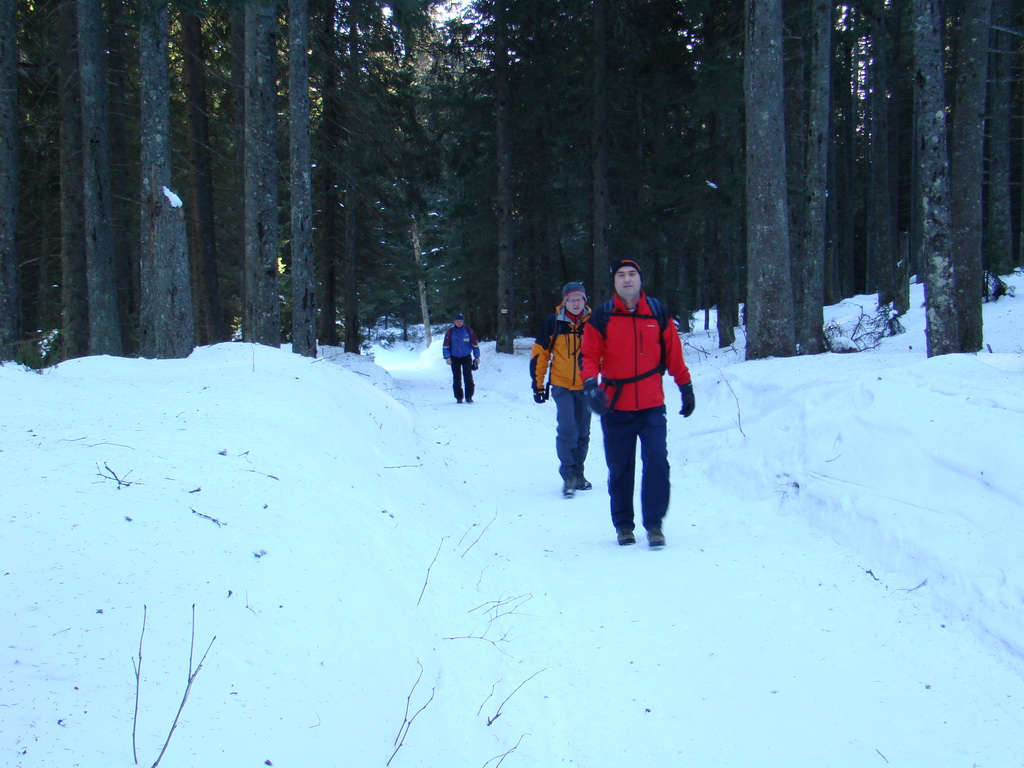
(421, 283)
(124, 154)
(600, 257)
(328, 139)
(503, 106)
(882, 231)
(725, 171)
(354, 129)
(10, 293)
(104, 328)
(262, 305)
(233, 278)
(998, 248)
(901, 299)
(769, 312)
(726, 277)
(796, 62)
(210, 326)
(303, 282)
(933, 167)
(809, 281)
(967, 156)
(353, 335)
(166, 328)
(842, 169)
(73, 285)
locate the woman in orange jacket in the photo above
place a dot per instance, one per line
(555, 369)
(631, 342)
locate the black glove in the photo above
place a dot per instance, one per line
(686, 390)
(596, 399)
(476, 364)
(540, 395)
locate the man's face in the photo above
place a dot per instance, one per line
(459, 322)
(575, 302)
(627, 283)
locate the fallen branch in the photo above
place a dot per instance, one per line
(498, 714)
(698, 350)
(121, 482)
(496, 609)
(207, 517)
(257, 472)
(501, 758)
(739, 414)
(495, 606)
(481, 708)
(503, 639)
(481, 534)
(192, 674)
(407, 721)
(427, 579)
(911, 589)
(138, 685)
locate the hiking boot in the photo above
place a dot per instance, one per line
(569, 487)
(582, 484)
(625, 536)
(469, 399)
(655, 537)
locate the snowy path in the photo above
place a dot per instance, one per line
(750, 639)
(366, 552)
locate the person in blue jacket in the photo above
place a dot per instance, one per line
(461, 351)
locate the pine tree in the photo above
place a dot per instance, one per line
(770, 323)
(10, 289)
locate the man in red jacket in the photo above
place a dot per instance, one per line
(631, 342)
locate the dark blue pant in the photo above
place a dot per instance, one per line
(621, 431)
(572, 436)
(462, 368)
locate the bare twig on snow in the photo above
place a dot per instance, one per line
(207, 517)
(192, 674)
(121, 482)
(138, 683)
(501, 758)
(911, 589)
(739, 414)
(427, 579)
(497, 714)
(407, 721)
(481, 534)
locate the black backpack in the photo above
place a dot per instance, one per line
(599, 317)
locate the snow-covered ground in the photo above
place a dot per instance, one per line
(374, 575)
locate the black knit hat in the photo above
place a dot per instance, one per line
(574, 288)
(626, 261)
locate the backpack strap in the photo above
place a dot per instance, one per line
(554, 335)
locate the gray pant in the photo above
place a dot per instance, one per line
(572, 437)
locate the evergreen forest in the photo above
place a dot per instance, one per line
(176, 173)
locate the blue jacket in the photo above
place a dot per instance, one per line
(460, 342)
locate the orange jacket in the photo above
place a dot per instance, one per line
(558, 343)
(633, 347)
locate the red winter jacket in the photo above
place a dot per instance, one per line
(631, 347)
